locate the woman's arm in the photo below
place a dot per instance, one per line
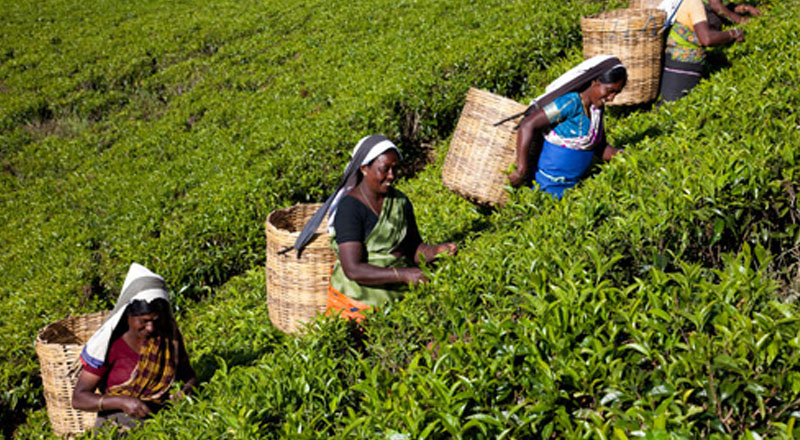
(710, 37)
(84, 398)
(351, 256)
(721, 10)
(535, 121)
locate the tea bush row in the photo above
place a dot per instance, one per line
(650, 302)
(654, 301)
(164, 134)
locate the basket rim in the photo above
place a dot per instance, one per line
(40, 333)
(276, 230)
(635, 12)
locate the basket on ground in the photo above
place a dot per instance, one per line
(297, 289)
(480, 154)
(59, 347)
(633, 36)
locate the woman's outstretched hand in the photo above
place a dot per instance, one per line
(517, 177)
(133, 407)
(413, 275)
(446, 248)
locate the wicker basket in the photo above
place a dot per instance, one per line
(480, 154)
(59, 347)
(297, 289)
(643, 4)
(633, 36)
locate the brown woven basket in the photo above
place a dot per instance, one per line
(59, 347)
(633, 36)
(643, 4)
(480, 154)
(297, 289)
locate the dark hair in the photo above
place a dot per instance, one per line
(614, 75)
(140, 307)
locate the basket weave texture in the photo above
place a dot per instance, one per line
(643, 4)
(480, 154)
(297, 289)
(632, 35)
(59, 347)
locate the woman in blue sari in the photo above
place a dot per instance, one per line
(570, 117)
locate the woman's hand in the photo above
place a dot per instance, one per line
(412, 275)
(446, 248)
(517, 177)
(747, 9)
(609, 152)
(132, 406)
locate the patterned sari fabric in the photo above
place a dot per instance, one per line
(684, 57)
(154, 374)
(683, 45)
(385, 238)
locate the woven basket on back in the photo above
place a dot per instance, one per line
(59, 347)
(632, 35)
(480, 154)
(297, 289)
(643, 4)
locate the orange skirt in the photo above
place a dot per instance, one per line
(344, 306)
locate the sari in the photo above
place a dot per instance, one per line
(349, 297)
(157, 367)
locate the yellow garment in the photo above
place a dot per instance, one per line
(690, 13)
(154, 374)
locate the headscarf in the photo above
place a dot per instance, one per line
(571, 81)
(367, 149)
(140, 283)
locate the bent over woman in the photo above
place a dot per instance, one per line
(570, 116)
(135, 357)
(685, 55)
(374, 233)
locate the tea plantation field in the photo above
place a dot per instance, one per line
(658, 300)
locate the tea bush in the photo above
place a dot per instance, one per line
(657, 300)
(164, 134)
(647, 303)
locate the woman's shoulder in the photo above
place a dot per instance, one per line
(351, 208)
(569, 100)
(564, 107)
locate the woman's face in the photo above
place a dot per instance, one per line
(600, 93)
(380, 174)
(144, 326)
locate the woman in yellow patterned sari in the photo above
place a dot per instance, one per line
(135, 356)
(685, 56)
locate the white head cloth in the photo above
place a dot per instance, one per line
(140, 283)
(375, 151)
(573, 73)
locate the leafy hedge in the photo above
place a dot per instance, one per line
(657, 300)
(165, 133)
